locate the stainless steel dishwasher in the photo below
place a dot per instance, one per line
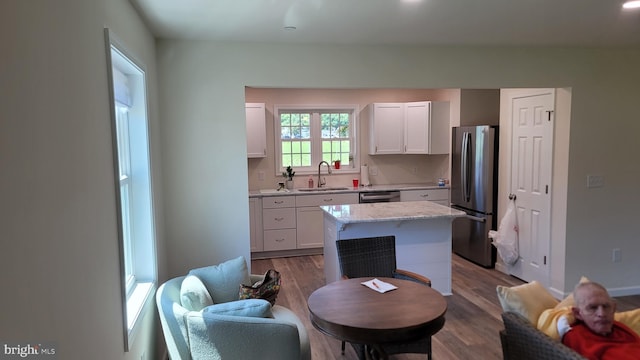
(379, 196)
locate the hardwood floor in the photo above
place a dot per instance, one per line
(472, 321)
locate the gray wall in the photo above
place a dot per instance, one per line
(59, 262)
(59, 265)
(202, 91)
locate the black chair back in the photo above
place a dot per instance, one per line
(367, 257)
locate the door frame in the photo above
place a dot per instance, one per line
(559, 181)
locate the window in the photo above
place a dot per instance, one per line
(307, 135)
(132, 167)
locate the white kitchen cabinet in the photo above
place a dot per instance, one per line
(439, 128)
(255, 224)
(386, 129)
(279, 223)
(283, 239)
(416, 127)
(438, 196)
(256, 130)
(409, 128)
(309, 216)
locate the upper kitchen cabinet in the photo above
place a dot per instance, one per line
(409, 128)
(386, 128)
(256, 130)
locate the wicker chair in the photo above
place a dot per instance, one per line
(376, 257)
(522, 341)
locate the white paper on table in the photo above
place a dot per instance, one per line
(379, 285)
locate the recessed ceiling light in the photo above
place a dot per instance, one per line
(290, 28)
(631, 4)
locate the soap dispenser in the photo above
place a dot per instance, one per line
(310, 182)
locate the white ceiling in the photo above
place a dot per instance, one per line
(432, 22)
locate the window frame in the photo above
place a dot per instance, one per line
(316, 136)
(138, 275)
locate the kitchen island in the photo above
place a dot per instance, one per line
(422, 230)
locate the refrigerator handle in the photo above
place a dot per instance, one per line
(466, 166)
(463, 167)
(475, 218)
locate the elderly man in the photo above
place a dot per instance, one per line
(596, 335)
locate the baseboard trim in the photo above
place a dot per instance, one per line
(286, 253)
(614, 292)
(501, 267)
(624, 291)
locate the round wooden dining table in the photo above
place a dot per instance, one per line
(349, 311)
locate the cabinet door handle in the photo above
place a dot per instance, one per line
(424, 195)
(278, 219)
(329, 199)
(279, 240)
(278, 202)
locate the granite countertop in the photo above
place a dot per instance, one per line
(345, 189)
(393, 211)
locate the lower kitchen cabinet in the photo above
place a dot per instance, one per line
(438, 196)
(283, 239)
(310, 218)
(294, 224)
(279, 223)
(309, 228)
(255, 224)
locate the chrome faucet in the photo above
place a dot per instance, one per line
(321, 182)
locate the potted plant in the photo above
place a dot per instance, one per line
(288, 176)
(336, 164)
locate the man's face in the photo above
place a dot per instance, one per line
(596, 310)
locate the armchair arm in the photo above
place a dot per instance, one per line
(521, 340)
(237, 337)
(410, 275)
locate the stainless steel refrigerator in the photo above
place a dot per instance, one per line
(474, 184)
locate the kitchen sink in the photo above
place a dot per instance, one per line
(323, 189)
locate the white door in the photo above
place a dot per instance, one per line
(531, 166)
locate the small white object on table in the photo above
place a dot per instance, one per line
(422, 230)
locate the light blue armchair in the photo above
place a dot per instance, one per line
(204, 335)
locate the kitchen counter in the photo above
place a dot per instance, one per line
(422, 230)
(393, 211)
(390, 187)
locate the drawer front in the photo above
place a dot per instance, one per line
(420, 195)
(271, 202)
(326, 199)
(279, 239)
(279, 218)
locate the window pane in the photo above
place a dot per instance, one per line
(335, 146)
(326, 146)
(286, 147)
(305, 160)
(295, 147)
(285, 120)
(286, 160)
(306, 147)
(333, 140)
(285, 133)
(125, 205)
(296, 160)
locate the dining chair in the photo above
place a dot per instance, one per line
(376, 257)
